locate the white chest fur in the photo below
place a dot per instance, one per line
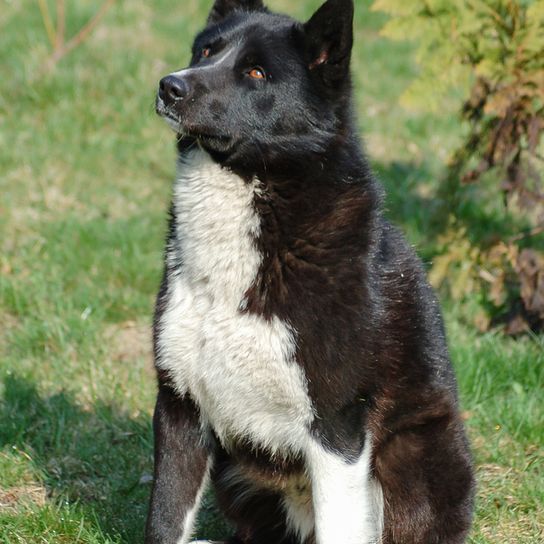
(238, 367)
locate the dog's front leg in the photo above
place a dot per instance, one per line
(343, 497)
(182, 464)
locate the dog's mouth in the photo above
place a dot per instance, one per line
(204, 135)
(173, 120)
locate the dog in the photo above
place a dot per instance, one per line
(300, 352)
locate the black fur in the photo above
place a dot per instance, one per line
(180, 463)
(370, 337)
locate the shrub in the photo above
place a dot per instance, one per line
(492, 52)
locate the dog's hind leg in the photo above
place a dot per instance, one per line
(426, 476)
(182, 465)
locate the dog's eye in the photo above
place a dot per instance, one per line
(257, 73)
(206, 52)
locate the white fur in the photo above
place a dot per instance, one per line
(376, 495)
(238, 367)
(190, 517)
(212, 63)
(345, 498)
(297, 503)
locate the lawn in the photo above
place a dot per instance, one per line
(85, 176)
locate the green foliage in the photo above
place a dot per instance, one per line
(492, 53)
(497, 40)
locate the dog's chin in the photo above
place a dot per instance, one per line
(174, 124)
(214, 144)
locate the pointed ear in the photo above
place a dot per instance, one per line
(329, 39)
(222, 8)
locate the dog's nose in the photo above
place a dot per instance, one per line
(172, 88)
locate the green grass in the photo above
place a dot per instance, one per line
(85, 173)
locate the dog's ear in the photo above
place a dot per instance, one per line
(329, 39)
(222, 8)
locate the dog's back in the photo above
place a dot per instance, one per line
(301, 355)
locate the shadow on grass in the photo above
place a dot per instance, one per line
(93, 457)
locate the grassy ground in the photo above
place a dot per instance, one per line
(85, 173)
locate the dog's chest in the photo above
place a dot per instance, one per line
(238, 367)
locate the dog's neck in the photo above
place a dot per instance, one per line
(261, 239)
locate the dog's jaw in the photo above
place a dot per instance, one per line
(171, 119)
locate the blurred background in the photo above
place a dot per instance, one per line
(450, 100)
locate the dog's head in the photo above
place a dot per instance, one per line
(260, 83)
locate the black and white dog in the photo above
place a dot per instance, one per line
(301, 358)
